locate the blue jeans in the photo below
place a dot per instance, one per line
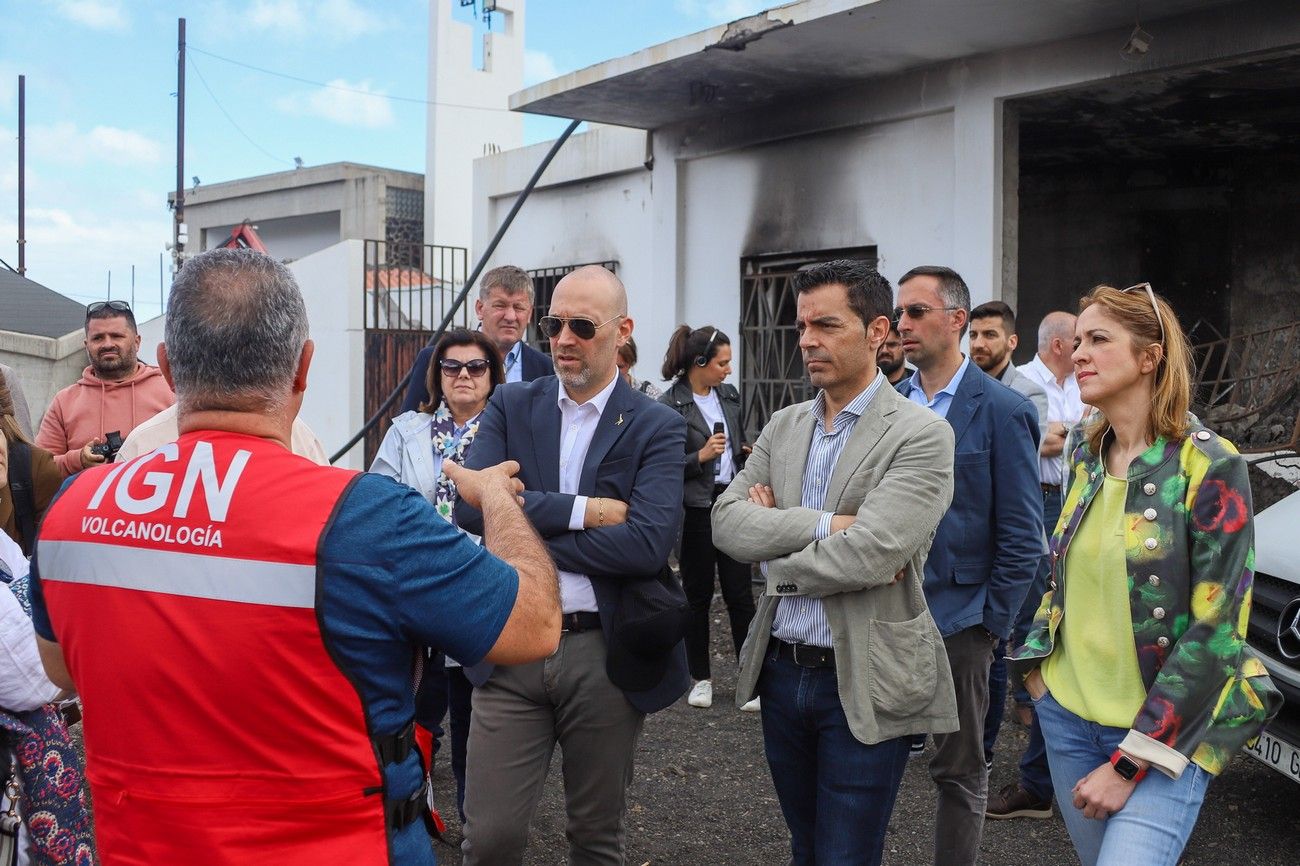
(1155, 823)
(836, 793)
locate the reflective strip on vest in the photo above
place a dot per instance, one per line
(247, 581)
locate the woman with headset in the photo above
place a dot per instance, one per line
(698, 361)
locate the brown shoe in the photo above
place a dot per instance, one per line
(1014, 801)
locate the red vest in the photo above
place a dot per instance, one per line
(182, 588)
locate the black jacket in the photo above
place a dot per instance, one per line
(700, 477)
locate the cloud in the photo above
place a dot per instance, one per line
(720, 11)
(63, 142)
(347, 107)
(337, 20)
(95, 14)
(538, 66)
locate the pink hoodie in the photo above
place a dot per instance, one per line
(91, 408)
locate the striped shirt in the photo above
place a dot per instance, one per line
(800, 619)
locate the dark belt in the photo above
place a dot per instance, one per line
(582, 620)
(1050, 488)
(804, 655)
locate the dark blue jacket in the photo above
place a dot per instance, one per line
(635, 456)
(990, 542)
(535, 365)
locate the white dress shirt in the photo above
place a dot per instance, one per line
(23, 684)
(1063, 405)
(577, 426)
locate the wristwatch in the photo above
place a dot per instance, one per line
(1126, 767)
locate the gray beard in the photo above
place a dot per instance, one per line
(575, 381)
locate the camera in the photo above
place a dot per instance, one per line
(109, 447)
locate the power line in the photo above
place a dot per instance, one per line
(222, 109)
(357, 90)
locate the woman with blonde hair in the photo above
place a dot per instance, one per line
(1137, 662)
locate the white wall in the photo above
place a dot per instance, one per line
(287, 238)
(467, 116)
(44, 366)
(333, 407)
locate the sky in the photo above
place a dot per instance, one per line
(101, 106)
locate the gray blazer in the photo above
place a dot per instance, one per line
(895, 474)
(1020, 383)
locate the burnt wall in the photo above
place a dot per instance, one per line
(1220, 238)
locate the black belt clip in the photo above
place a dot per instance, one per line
(805, 655)
(394, 748)
(403, 813)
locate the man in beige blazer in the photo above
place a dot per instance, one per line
(839, 502)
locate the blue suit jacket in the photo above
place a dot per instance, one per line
(535, 365)
(635, 456)
(990, 542)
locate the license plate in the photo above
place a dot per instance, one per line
(1276, 753)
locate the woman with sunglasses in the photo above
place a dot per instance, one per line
(464, 371)
(698, 361)
(1137, 662)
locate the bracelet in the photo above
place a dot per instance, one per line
(600, 511)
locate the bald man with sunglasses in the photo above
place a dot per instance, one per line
(601, 467)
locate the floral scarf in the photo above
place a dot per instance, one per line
(52, 799)
(449, 446)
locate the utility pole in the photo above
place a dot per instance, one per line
(22, 175)
(178, 222)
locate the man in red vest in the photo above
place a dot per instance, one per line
(243, 624)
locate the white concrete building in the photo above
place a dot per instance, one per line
(1037, 148)
(468, 116)
(305, 210)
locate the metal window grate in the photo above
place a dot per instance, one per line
(771, 366)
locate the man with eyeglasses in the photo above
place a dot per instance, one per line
(116, 392)
(989, 543)
(602, 471)
(504, 308)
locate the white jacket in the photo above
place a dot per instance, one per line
(406, 454)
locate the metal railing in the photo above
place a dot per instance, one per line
(1247, 387)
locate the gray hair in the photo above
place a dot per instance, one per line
(510, 279)
(236, 326)
(1057, 324)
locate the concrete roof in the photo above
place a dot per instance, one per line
(295, 178)
(815, 46)
(27, 307)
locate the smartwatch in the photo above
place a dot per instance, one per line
(1126, 767)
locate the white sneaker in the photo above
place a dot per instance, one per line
(701, 695)
(750, 707)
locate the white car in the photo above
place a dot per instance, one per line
(1274, 630)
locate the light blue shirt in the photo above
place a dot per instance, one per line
(943, 399)
(514, 363)
(800, 619)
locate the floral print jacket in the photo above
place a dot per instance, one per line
(1189, 545)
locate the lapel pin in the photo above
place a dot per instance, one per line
(619, 422)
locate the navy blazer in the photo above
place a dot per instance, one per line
(535, 365)
(990, 542)
(635, 456)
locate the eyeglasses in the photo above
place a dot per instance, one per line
(117, 306)
(475, 368)
(1154, 308)
(583, 329)
(918, 311)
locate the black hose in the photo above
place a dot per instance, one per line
(464, 292)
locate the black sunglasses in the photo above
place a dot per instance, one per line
(476, 368)
(583, 329)
(918, 311)
(117, 306)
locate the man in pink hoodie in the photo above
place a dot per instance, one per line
(114, 394)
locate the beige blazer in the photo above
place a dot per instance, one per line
(895, 475)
